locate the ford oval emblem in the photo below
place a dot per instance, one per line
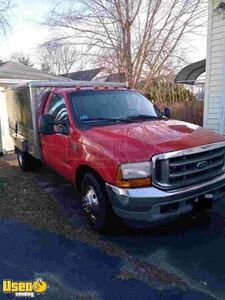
(202, 164)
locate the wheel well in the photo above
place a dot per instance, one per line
(81, 171)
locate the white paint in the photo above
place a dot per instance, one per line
(214, 110)
(6, 143)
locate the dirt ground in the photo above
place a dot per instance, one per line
(47, 202)
(29, 199)
(22, 199)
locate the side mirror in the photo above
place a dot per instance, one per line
(46, 124)
(167, 112)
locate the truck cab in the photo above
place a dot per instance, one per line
(129, 160)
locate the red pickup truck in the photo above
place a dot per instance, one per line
(128, 159)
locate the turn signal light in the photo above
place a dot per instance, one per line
(132, 183)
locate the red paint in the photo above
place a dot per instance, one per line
(105, 148)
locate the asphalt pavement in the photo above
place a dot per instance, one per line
(180, 260)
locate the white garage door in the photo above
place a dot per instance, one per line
(6, 140)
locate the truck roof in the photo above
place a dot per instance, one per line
(70, 84)
(88, 88)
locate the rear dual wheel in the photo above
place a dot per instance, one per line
(26, 161)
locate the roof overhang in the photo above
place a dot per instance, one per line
(11, 82)
(68, 84)
(6, 82)
(190, 73)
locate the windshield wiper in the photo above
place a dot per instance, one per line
(140, 117)
(125, 119)
(105, 119)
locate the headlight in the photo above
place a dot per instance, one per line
(136, 170)
(134, 175)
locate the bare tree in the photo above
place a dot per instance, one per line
(136, 37)
(22, 59)
(5, 6)
(57, 58)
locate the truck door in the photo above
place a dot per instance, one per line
(55, 146)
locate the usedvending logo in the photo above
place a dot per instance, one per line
(24, 288)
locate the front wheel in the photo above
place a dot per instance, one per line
(96, 204)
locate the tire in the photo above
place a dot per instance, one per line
(26, 161)
(96, 204)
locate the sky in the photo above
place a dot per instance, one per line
(26, 32)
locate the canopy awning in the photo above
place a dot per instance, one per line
(191, 72)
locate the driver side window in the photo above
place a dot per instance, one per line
(57, 109)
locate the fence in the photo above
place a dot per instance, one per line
(188, 111)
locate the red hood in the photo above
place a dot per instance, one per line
(140, 141)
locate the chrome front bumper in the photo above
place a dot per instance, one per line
(153, 205)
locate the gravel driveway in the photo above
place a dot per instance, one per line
(182, 260)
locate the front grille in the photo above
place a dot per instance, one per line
(189, 166)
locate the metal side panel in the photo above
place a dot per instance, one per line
(38, 96)
(22, 109)
(20, 117)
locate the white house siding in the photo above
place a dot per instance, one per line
(214, 112)
(6, 143)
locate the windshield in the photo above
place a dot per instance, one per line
(112, 106)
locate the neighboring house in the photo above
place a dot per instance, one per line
(214, 66)
(13, 73)
(95, 74)
(85, 75)
(118, 77)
